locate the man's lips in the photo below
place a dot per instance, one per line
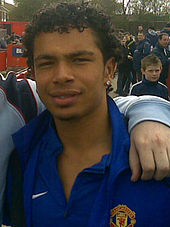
(65, 98)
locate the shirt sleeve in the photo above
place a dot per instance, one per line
(144, 108)
(40, 105)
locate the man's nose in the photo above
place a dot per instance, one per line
(63, 73)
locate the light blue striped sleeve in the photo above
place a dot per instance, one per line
(144, 108)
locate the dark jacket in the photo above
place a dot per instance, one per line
(163, 54)
(152, 37)
(142, 50)
(147, 87)
(131, 45)
(124, 64)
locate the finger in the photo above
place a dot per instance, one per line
(134, 163)
(161, 162)
(147, 164)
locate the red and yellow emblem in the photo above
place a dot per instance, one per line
(122, 216)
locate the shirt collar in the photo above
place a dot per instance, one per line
(119, 138)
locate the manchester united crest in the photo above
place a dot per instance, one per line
(122, 216)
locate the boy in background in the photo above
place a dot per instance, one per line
(151, 67)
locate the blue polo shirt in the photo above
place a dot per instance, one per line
(49, 205)
(102, 196)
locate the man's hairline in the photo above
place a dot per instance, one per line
(97, 41)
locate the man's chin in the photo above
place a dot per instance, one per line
(65, 117)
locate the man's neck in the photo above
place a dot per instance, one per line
(86, 132)
(85, 141)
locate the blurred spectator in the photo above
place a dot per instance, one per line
(166, 29)
(120, 34)
(151, 67)
(162, 52)
(15, 38)
(3, 43)
(152, 36)
(131, 45)
(124, 75)
(7, 38)
(140, 29)
(143, 49)
(22, 37)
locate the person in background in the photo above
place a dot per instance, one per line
(124, 70)
(74, 156)
(3, 43)
(152, 37)
(140, 29)
(121, 34)
(131, 45)
(162, 52)
(143, 49)
(166, 29)
(151, 67)
(14, 39)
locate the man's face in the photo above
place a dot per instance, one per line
(152, 72)
(127, 37)
(123, 41)
(70, 74)
(164, 41)
(141, 36)
(140, 28)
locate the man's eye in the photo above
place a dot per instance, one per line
(43, 64)
(81, 60)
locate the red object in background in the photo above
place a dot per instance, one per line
(15, 26)
(14, 56)
(3, 64)
(168, 81)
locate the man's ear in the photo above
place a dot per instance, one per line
(110, 68)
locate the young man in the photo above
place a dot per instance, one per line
(143, 49)
(151, 68)
(162, 52)
(74, 157)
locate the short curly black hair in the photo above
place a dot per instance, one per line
(62, 17)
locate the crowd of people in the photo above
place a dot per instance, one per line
(10, 39)
(135, 48)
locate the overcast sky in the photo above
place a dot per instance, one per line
(9, 1)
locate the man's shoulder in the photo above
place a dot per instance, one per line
(20, 95)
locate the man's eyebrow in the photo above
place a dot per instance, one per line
(44, 57)
(69, 55)
(80, 53)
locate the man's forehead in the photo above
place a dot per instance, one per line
(74, 42)
(165, 37)
(74, 34)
